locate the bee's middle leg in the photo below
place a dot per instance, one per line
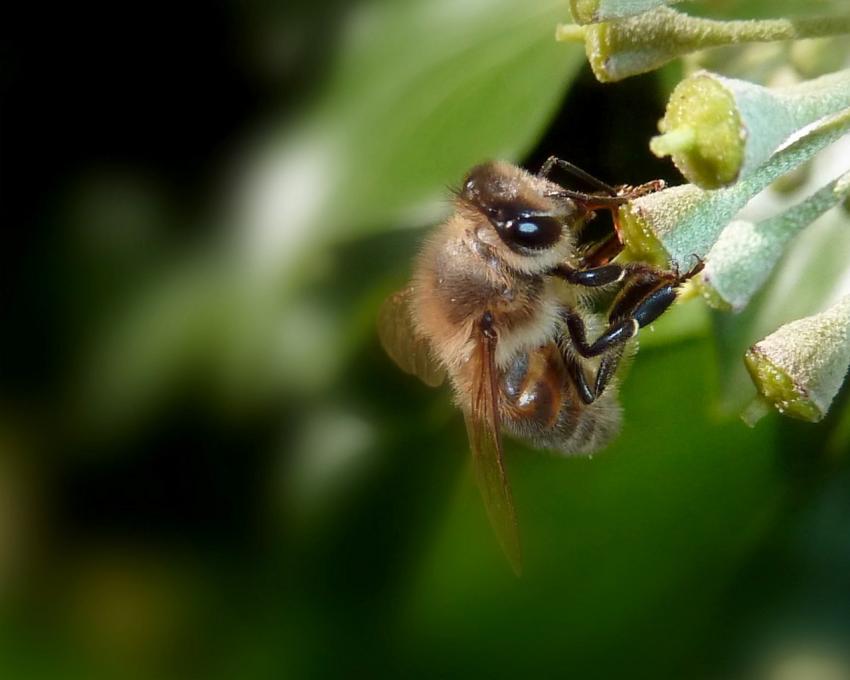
(648, 293)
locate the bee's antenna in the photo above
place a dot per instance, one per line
(591, 200)
(575, 171)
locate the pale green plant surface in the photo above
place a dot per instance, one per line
(687, 220)
(594, 11)
(746, 253)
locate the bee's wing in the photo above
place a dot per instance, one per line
(485, 440)
(400, 341)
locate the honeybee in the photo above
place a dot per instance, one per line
(497, 303)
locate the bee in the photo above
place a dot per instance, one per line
(498, 304)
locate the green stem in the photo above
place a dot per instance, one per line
(757, 409)
(745, 253)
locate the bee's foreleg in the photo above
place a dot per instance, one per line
(648, 292)
(616, 334)
(646, 296)
(592, 277)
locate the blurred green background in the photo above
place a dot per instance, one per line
(209, 469)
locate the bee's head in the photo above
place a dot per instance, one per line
(533, 226)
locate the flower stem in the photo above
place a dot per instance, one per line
(745, 253)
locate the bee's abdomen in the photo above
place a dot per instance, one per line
(534, 388)
(540, 404)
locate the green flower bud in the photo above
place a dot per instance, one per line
(800, 367)
(718, 129)
(677, 223)
(642, 43)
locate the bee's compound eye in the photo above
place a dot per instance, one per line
(534, 232)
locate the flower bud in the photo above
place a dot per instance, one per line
(718, 129)
(800, 367)
(674, 224)
(642, 43)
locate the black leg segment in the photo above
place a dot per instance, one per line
(585, 392)
(647, 294)
(654, 304)
(592, 277)
(616, 334)
(607, 368)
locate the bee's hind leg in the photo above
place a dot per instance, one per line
(607, 367)
(609, 345)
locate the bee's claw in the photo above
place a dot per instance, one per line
(696, 269)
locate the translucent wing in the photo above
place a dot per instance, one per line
(411, 352)
(485, 440)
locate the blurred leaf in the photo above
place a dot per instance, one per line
(424, 90)
(486, 87)
(161, 339)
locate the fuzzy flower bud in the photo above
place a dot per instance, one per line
(642, 43)
(800, 367)
(718, 129)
